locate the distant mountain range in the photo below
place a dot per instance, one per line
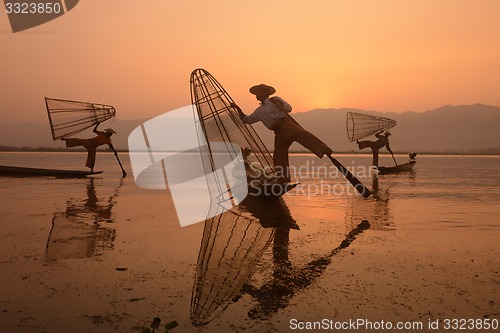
(448, 129)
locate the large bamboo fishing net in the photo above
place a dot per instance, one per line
(360, 125)
(68, 118)
(222, 125)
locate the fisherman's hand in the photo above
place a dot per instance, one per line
(238, 109)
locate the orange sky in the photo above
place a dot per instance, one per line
(138, 55)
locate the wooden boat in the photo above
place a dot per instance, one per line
(397, 169)
(37, 172)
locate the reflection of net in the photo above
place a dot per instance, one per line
(220, 122)
(68, 118)
(360, 125)
(231, 246)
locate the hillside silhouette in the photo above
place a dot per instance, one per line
(448, 129)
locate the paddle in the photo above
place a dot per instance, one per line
(119, 162)
(394, 159)
(351, 178)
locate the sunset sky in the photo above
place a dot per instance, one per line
(137, 55)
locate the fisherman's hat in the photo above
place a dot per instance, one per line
(110, 130)
(262, 88)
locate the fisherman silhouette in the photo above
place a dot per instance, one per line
(273, 113)
(102, 138)
(383, 141)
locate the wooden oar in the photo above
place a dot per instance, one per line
(351, 178)
(394, 160)
(119, 162)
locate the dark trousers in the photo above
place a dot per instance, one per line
(286, 133)
(91, 150)
(374, 147)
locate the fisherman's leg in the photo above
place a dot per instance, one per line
(311, 142)
(73, 142)
(364, 144)
(280, 158)
(90, 159)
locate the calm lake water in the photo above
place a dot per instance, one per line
(100, 254)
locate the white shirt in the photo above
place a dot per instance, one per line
(268, 113)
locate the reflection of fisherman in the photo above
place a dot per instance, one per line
(77, 232)
(102, 138)
(287, 279)
(273, 113)
(383, 140)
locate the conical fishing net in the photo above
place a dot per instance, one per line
(221, 123)
(68, 118)
(360, 125)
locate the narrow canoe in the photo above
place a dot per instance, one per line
(397, 169)
(37, 172)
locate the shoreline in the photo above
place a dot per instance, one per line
(485, 152)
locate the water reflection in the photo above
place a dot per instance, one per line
(78, 232)
(288, 280)
(376, 210)
(232, 246)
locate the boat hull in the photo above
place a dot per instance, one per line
(37, 172)
(397, 169)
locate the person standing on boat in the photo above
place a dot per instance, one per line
(383, 141)
(273, 112)
(102, 138)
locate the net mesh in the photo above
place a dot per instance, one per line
(360, 125)
(232, 244)
(68, 118)
(221, 123)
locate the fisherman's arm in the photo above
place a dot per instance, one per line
(246, 119)
(238, 109)
(96, 131)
